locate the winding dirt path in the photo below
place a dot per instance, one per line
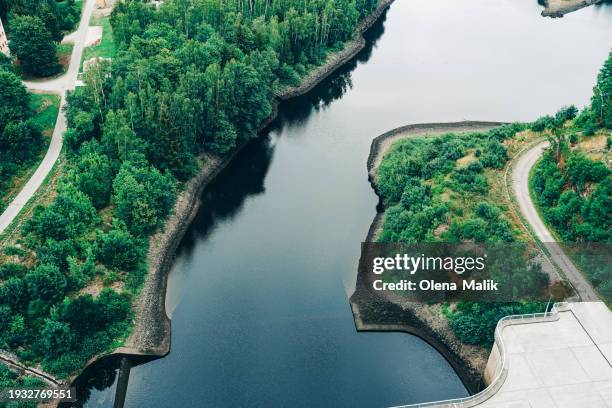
(520, 188)
(59, 86)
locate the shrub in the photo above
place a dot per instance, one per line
(118, 249)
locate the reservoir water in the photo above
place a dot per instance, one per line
(258, 293)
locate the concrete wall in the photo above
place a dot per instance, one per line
(493, 365)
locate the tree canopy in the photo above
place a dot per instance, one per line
(33, 45)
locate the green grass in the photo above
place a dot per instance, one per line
(46, 107)
(106, 48)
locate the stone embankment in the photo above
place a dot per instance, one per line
(559, 8)
(335, 59)
(152, 327)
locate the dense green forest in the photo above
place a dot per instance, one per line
(446, 189)
(34, 27)
(575, 193)
(189, 77)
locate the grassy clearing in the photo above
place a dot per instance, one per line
(106, 47)
(46, 107)
(459, 198)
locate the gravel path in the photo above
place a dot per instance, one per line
(520, 187)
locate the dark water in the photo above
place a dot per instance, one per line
(258, 293)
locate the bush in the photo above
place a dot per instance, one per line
(470, 179)
(474, 323)
(46, 282)
(495, 155)
(564, 114)
(56, 339)
(118, 249)
(543, 123)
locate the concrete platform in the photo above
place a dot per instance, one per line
(559, 364)
(560, 359)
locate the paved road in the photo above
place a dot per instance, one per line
(60, 86)
(520, 186)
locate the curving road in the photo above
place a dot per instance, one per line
(520, 187)
(57, 85)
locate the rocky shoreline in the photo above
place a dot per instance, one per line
(378, 311)
(152, 329)
(559, 8)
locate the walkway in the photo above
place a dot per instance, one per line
(557, 360)
(58, 85)
(559, 364)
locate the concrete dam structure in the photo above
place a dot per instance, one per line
(559, 359)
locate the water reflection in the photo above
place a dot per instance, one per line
(261, 316)
(295, 112)
(225, 196)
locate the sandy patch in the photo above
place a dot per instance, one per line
(465, 160)
(94, 35)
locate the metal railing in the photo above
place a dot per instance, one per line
(501, 371)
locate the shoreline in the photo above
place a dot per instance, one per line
(151, 335)
(397, 314)
(559, 8)
(336, 59)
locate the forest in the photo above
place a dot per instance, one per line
(188, 77)
(34, 28)
(447, 189)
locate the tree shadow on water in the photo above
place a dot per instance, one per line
(295, 112)
(244, 177)
(225, 196)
